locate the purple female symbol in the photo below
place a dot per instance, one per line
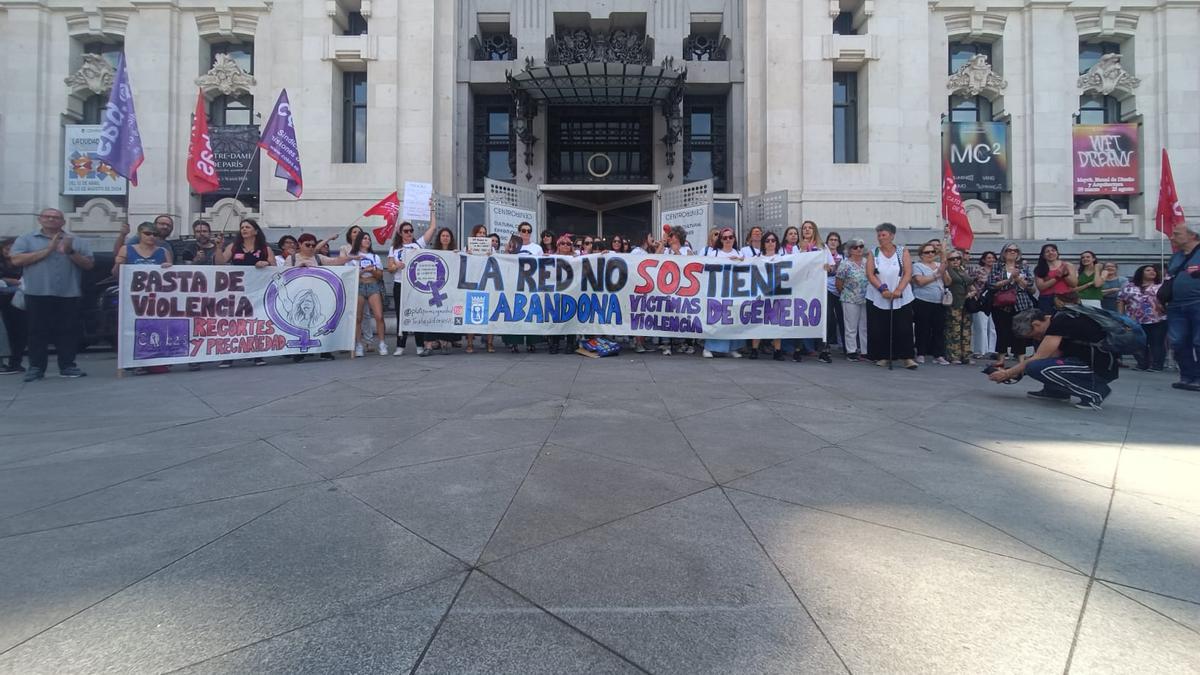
(302, 314)
(427, 273)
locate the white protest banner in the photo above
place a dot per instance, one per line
(85, 173)
(416, 201)
(195, 313)
(503, 220)
(693, 219)
(479, 245)
(651, 295)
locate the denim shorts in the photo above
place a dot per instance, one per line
(367, 290)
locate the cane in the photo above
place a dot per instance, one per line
(891, 330)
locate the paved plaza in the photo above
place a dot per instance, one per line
(500, 513)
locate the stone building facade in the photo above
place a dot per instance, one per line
(836, 108)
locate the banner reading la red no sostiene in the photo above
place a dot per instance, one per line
(650, 295)
(194, 313)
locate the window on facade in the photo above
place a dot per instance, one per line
(705, 139)
(495, 152)
(230, 110)
(962, 52)
(354, 118)
(843, 24)
(356, 24)
(845, 118)
(1097, 109)
(1090, 53)
(970, 109)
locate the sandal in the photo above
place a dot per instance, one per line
(470, 349)
(491, 349)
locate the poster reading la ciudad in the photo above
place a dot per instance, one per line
(648, 295)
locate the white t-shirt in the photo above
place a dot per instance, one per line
(281, 260)
(637, 250)
(749, 251)
(721, 253)
(368, 262)
(683, 250)
(889, 271)
(531, 249)
(397, 254)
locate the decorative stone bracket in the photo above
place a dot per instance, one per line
(227, 78)
(1104, 217)
(351, 50)
(849, 52)
(976, 77)
(95, 76)
(1107, 77)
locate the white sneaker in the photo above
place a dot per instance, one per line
(941, 361)
(420, 351)
(689, 350)
(735, 354)
(399, 351)
(358, 349)
(920, 359)
(707, 354)
(666, 351)
(382, 348)
(640, 348)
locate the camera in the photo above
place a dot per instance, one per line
(993, 368)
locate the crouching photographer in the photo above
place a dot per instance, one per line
(1071, 359)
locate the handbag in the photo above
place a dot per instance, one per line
(1166, 290)
(947, 298)
(1005, 298)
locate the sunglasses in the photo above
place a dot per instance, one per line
(309, 244)
(525, 231)
(954, 257)
(857, 246)
(927, 252)
(587, 243)
(726, 238)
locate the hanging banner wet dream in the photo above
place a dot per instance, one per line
(1106, 159)
(191, 314)
(651, 295)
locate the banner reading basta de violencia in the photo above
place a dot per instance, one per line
(649, 295)
(193, 313)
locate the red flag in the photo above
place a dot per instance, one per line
(201, 167)
(961, 235)
(1170, 211)
(389, 208)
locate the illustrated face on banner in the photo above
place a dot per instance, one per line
(306, 303)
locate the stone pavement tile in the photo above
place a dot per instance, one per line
(492, 630)
(51, 441)
(745, 438)
(328, 399)
(1120, 636)
(458, 438)
(1155, 473)
(555, 383)
(1056, 514)
(656, 444)
(432, 397)
(1186, 613)
(621, 400)
(381, 637)
(320, 554)
(831, 427)
(896, 602)
(455, 503)
(249, 468)
(682, 588)
(382, 383)
(673, 370)
(693, 399)
(344, 442)
(24, 488)
(1153, 546)
(511, 402)
(1165, 425)
(568, 491)
(47, 577)
(833, 480)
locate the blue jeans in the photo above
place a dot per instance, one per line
(1183, 330)
(1069, 377)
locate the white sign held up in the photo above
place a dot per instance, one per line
(416, 201)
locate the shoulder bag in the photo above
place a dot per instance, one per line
(1167, 289)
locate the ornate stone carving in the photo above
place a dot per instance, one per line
(976, 77)
(226, 77)
(579, 45)
(705, 47)
(95, 76)
(1107, 76)
(494, 47)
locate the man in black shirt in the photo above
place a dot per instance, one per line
(1067, 362)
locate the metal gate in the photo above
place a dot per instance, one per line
(689, 206)
(768, 211)
(445, 207)
(506, 206)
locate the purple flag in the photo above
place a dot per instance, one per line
(279, 140)
(120, 141)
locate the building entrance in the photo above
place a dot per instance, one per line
(603, 213)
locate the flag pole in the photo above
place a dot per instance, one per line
(241, 184)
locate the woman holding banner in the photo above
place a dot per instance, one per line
(147, 251)
(712, 347)
(249, 249)
(517, 245)
(442, 241)
(370, 292)
(564, 248)
(479, 230)
(401, 242)
(770, 251)
(890, 298)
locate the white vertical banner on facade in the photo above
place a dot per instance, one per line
(84, 173)
(508, 205)
(690, 207)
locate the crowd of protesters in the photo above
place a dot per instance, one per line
(888, 305)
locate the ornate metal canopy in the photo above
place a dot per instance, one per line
(607, 84)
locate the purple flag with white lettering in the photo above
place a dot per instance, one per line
(120, 142)
(279, 140)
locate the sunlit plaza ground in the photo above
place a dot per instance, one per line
(506, 513)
